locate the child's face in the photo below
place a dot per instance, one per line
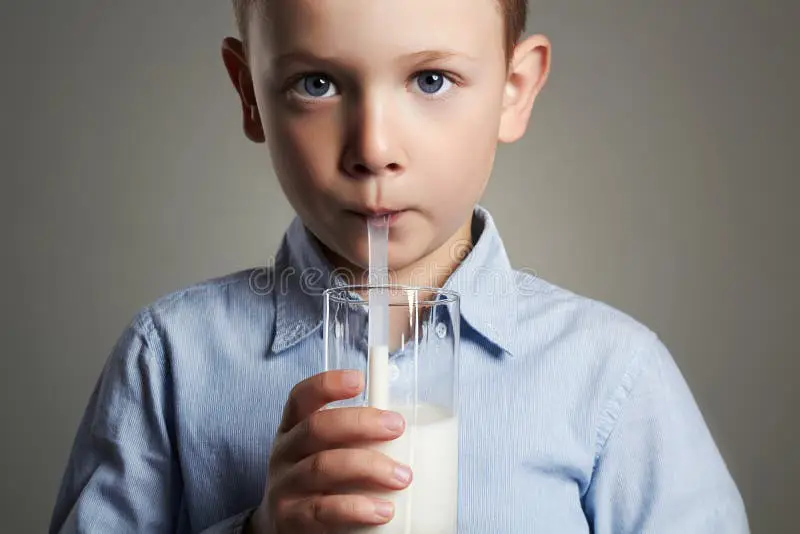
(384, 105)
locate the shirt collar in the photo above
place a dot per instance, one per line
(302, 273)
(487, 284)
(485, 281)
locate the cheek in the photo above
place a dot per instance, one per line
(459, 154)
(304, 150)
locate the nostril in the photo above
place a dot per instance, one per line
(361, 170)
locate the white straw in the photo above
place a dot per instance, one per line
(378, 335)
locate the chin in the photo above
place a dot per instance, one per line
(358, 257)
(351, 251)
(403, 259)
(352, 254)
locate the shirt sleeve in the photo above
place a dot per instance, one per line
(122, 475)
(658, 469)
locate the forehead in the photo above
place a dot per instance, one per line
(376, 28)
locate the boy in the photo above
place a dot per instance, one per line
(574, 417)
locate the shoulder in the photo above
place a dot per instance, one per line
(241, 301)
(223, 292)
(559, 315)
(598, 351)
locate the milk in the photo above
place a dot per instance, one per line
(430, 446)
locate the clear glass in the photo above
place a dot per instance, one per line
(422, 385)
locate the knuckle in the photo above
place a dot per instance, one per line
(319, 465)
(378, 467)
(317, 511)
(314, 425)
(378, 463)
(347, 508)
(350, 462)
(363, 418)
(364, 465)
(324, 380)
(326, 383)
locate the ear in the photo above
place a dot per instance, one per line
(527, 74)
(239, 71)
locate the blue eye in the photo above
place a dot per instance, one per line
(315, 86)
(431, 82)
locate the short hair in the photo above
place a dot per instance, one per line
(514, 12)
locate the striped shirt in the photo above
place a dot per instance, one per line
(574, 418)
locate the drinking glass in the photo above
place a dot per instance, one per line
(420, 381)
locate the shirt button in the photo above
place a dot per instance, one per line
(441, 330)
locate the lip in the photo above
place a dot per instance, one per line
(379, 216)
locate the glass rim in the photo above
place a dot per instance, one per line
(449, 295)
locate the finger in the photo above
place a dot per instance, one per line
(329, 471)
(319, 513)
(315, 392)
(332, 429)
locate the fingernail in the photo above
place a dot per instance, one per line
(402, 473)
(384, 510)
(392, 421)
(351, 379)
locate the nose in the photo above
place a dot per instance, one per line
(373, 146)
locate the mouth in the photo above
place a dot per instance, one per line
(379, 216)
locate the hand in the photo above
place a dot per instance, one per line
(315, 464)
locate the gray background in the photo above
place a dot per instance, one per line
(659, 174)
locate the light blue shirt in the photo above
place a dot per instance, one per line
(574, 417)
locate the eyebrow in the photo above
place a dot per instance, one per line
(416, 58)
(431, 56)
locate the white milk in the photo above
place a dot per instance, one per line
(430, 447)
